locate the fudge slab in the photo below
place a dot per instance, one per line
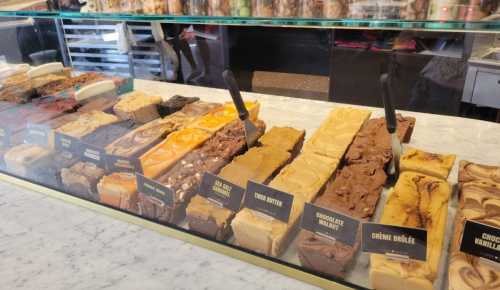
(418, 201)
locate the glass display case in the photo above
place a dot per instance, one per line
(131, 108)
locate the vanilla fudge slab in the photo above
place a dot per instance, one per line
(303, 178)
(418, 201)
(337, 132)
(258, 164)
(438, 165)
(480, 202)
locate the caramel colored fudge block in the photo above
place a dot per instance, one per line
(258, 164)
(373, 142)
(437, 165)
(164, 155)
(185, 177)
(87, 123)
(286, 138)
(418, 201)
(137, 106)
(119, 189)
(303, 178)
(142, 138)
(354, 192)
(81, 179)
(480, 202)
(336, 133)
(218, 118)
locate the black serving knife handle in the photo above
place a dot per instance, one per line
(232, 86)
(390, 114)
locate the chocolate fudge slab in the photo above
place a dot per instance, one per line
(373, 142)
(105, 135)
(185, 176)
(174, 104)
(354, 192)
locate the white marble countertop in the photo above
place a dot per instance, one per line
(48, 244)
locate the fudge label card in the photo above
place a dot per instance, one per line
(65, 142)
(155, 189)
(330, 224)
(120, 163)
(93, 154)
(269, 201)
(481, 240)
(37, 134)
(393, 241)
(5, 136)
(221, 192)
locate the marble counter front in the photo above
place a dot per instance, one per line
(48, 244)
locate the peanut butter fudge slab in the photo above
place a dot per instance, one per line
(437, 165)
(185, 177)
(303, 178)
(479, 201)
(354, 192)
(337, 132)
(418, 201)
(258, 164)
(373, 142)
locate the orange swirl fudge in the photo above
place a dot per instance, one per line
(164, 155)
(437, 165)
(335, 135)
(137, 106)
(303, 178)
(418, 201)
(144, 137)
(479, 202)
(215, 120)
(258, 164)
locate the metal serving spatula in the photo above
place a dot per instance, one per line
(390, 117)
(251, 133)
